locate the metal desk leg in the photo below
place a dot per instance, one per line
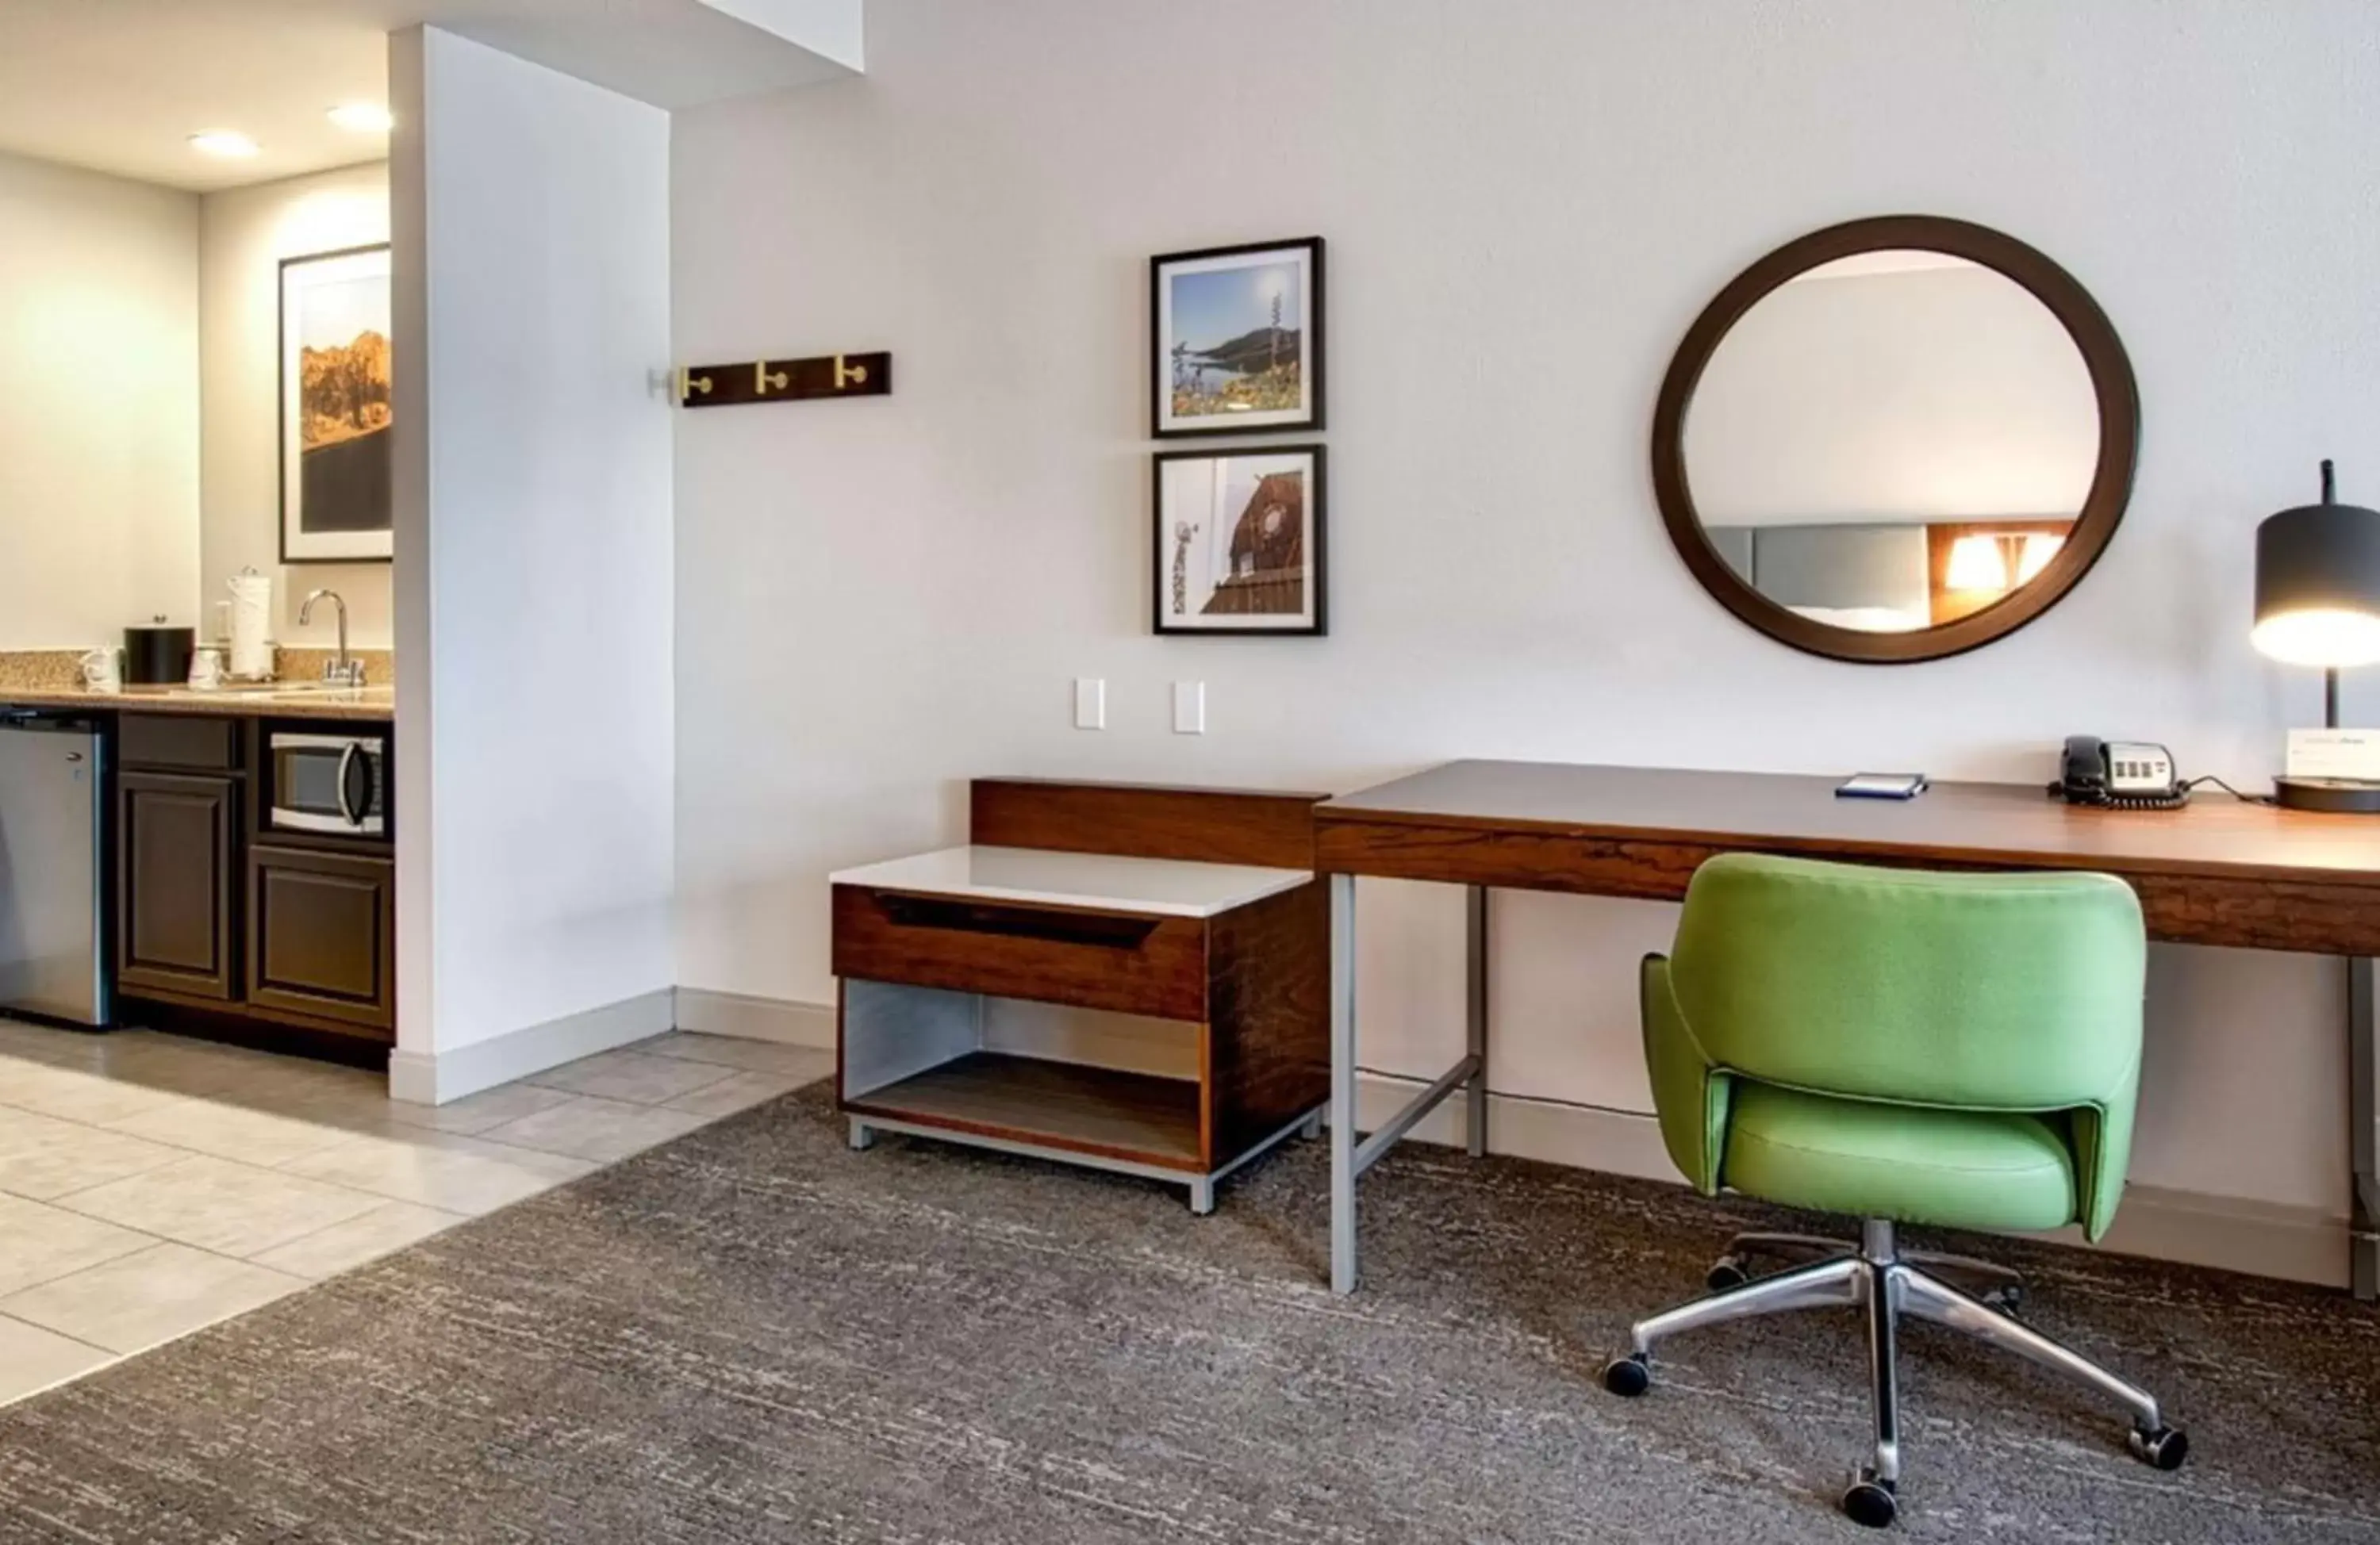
(1475, 1015)
(2363, 1122)
(1342, 1083)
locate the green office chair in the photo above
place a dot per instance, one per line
(1960, 1050)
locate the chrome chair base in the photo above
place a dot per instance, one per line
(2001, 1287)
(1887, 1285)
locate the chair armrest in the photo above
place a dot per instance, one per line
(2103, 1152)
(1690, 1094)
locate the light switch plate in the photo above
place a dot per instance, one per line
(1189, 707)
(1091, 703)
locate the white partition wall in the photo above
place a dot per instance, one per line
(535, 783)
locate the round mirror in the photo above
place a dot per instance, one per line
(1895, 440)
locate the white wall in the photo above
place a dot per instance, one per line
(243, 236)
(99, 405)
(534, 784)
(1527, 205)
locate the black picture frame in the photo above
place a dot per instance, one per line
(384, 546)
(1163, 423)
(1169, 554)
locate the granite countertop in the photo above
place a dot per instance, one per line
(294, 700)
(53, 679)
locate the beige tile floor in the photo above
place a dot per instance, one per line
(150, 1184)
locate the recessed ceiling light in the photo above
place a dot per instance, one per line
(364, 118)
(222, 142)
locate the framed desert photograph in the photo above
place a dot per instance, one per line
(335, 407)
(1236, 339)
(1238, 542)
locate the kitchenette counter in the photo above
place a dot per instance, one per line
(53, 679)
(287, 700)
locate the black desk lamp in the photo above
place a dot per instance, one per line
(2318, 603)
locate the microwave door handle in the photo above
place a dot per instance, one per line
(347, 763)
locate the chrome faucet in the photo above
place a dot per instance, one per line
(344, 670)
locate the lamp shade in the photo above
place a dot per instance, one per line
(1975, 563)
(2318, 583)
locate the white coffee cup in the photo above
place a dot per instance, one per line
(102, 669)
(206, 666)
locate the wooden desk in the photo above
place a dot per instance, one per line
(2220, 872)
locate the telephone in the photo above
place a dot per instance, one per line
(2118, 774)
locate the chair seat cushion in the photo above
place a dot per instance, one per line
(1956, 1169)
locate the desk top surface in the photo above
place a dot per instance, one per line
(1169, 887)
(1976, 822)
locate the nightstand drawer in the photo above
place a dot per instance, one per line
(1129, 962)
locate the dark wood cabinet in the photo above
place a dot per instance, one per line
(222, 922)
(322, 933)
(177, 891)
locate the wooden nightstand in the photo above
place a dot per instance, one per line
(1130, 978)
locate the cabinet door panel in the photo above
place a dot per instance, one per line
(322, 934)
(177, 859)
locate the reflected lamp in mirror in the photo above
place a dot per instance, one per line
(2318, 604)
(1895, 439)
(1976, 565)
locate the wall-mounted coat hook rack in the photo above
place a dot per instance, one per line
(790, 381)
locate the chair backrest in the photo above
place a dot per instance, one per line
(1991, 991)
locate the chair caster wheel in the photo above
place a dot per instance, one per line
(1629, 1376)
(2164, 1449)
(1726, 1272)
(1870, 1502)
(2009, 1301)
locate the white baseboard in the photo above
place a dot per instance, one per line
(2266, 1239)
(436, 1078)
(755, 1019)
(2263, 1239)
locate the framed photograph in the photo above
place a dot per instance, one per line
(1239, 541)
(1236, 339)
(335, 407)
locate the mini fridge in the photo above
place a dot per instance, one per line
(53, 867)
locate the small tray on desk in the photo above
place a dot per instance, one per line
(1147, 1013)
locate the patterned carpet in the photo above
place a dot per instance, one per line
(755, 1335)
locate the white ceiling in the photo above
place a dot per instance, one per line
(120, 85)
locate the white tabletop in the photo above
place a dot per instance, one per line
(1170, 887)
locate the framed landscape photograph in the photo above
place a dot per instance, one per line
(335, 407)
(1236, 339)
(1238, 544)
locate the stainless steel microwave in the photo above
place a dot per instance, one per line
(330, 783)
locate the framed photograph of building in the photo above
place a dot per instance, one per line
(1238, 541)
(1236, 339)
(335, 407)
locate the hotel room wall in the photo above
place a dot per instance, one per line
(879, 599)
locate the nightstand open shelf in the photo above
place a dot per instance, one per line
(1083, 1109)
(1151, 1011)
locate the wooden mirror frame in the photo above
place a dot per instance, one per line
(2111, 480)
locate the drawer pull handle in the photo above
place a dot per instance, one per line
(1024, 922)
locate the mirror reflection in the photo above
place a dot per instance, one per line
(1892, 442)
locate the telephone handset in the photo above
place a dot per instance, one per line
(2118, 774)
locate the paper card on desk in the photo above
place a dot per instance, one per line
(2350, 754)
